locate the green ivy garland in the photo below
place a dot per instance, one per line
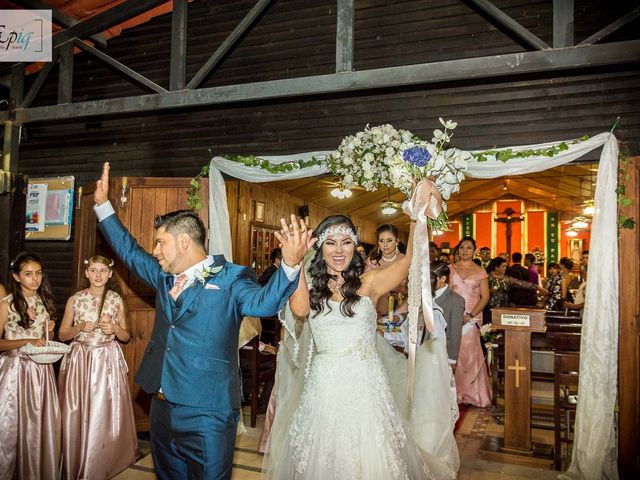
(621, 190)
(194, 201)
(507, 154)
(286, 167)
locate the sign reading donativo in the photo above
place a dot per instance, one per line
(515, 319)
(25, 35)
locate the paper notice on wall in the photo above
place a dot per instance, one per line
(36, 207)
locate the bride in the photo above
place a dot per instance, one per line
(342, 410)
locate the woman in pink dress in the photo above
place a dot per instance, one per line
(470, 281)
(98, 429)
(29, 408)
(386, 255)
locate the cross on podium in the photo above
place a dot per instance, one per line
(517, 368)
(517, 323)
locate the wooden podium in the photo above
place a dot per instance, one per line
(517, 323)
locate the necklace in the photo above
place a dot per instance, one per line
(390, 259)
(334, 286)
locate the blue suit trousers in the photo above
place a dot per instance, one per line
(192, 442)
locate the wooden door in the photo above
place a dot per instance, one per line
(629, 346)
(145, 198)
(263, 241)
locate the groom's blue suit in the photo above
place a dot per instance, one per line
(192, 357)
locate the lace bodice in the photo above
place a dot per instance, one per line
(339, 334)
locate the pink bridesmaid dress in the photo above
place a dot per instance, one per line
(472, 380)
(29, 408)
(98, 429)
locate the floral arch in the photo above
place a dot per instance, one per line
(595, 446)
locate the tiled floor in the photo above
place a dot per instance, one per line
(475, 425)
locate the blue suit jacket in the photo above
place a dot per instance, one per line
(193, 350)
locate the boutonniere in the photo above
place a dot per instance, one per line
(202, 276)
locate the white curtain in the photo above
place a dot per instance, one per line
(595, 447)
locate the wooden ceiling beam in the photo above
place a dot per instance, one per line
(502, 19)
(543, 197)
(425, 73)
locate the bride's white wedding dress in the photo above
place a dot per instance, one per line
(346, 422)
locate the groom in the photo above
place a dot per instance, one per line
(191, 362)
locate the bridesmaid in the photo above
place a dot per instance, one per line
(387, 254)
(98, 429)
(29, 408)
(470, 281)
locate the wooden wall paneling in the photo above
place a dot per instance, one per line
(629, 346)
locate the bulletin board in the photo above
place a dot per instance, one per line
(56, 206)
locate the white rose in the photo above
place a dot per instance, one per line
(347, 161)
(368, 174)
(369, 157)
(438, 163)
(450, 177)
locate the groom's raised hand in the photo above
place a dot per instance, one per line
(101, 194)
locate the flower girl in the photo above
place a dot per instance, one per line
(98, 429)
(29, 408)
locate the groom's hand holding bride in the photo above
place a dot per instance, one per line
(295, 240)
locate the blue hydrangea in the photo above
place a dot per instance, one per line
(418, 156)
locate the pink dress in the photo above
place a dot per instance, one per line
(472, 379)
(29, 408)
(98, 429)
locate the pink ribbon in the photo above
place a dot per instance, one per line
(426, 202)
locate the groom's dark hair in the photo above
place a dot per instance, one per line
(183, 221)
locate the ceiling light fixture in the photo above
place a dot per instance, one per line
(341, 192)
(389, 208)
(588, 208)
(580, 223)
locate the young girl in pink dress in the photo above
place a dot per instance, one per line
(29, 408)
(98, 429)
(470, 281)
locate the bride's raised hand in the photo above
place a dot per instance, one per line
(295, 241)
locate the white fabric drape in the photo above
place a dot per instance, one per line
(595, 446)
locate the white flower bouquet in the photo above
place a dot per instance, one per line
(385, 156)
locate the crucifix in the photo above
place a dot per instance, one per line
(508, 217)
(517, 368)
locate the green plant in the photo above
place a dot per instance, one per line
(194, 202)
(621, 190)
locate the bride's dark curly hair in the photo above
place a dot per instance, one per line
(320, 292)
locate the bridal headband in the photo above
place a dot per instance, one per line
(336, 230)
